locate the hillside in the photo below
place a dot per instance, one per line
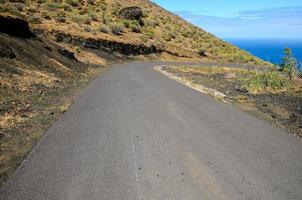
(102, 22)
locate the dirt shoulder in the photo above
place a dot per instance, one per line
(282, 107)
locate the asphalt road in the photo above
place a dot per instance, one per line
(135, 134)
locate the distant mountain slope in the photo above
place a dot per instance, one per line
(103, 20)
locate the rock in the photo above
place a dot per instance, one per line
(131, 13)
(48, 49)
(15, 26)
(242, 90)
(293, 118)
(3, 135)
(68, 54)
(6, 51)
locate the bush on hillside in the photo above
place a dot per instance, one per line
(87, 29)
(104, 29)
(60, 19)
(67, 7)
(149, 32)
(126, 23)
(259, 81)
(34, 19)
(92, 2)
(117, 29)
(135, 28)
(20, 6)
(51, 6)
(74, 3)
(93, 17)
(288, 64)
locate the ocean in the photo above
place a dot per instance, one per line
(269, 50)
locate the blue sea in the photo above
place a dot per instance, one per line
(269, 49)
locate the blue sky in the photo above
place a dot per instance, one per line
(242, 18)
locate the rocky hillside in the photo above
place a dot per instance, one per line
(130, 27)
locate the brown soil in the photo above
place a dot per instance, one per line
(283, 109)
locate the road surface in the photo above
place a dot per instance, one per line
(135, 134)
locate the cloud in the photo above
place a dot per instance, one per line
(296, 24)
(270, 23)
(279, 12)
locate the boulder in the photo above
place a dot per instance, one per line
(6, 51)
(131, 13)
(68, 54)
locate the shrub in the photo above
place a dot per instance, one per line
(77, 18)
(92, 2)
(149, 32)
(67, 7)
(172, 35)
(34, 19)
(83, 11)
(61, 14)
(87, 29)
(93, 17)
(5, 7)
(117, 29)
(167, 27)
(51, 6)
(74, 3)
(31, 10)
(46, 15)
(288, 64)
(135, 28)
(60, 19)
(126, 23)
(87, 20)
(107, 20)
(150, 22)
(258, 81)
(20, 6)
(104, 29)
(166, 37)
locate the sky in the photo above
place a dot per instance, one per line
(266, 19)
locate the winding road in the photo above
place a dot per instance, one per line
(135, 134)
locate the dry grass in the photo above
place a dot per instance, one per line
(27, 78)
(85, 56)
(209, 70)
(10, 119)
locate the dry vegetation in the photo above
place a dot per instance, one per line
(100, 19)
